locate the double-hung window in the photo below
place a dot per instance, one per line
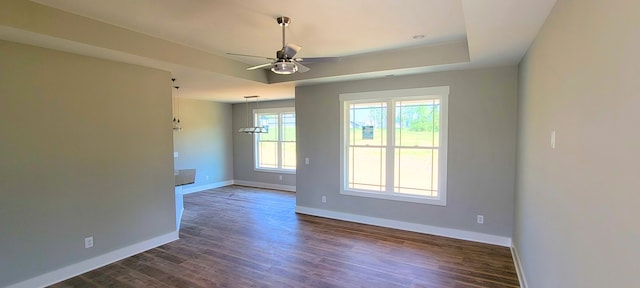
(276, 150)
(395, 144)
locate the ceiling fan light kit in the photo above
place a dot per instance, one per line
(284, 63)
(284, 68)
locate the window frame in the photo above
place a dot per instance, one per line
(391, 97)
(256, 153)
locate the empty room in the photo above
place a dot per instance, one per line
(301, 143)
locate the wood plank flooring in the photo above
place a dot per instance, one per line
(246, 237)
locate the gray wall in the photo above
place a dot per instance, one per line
(206, 142)
(577, 205)
(85, 150)
(243, 147)
(482, 143)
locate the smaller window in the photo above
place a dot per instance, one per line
(275, 151)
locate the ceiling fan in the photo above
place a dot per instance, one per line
(284, 63)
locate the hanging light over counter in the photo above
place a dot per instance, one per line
(252, 129)
(176, 108)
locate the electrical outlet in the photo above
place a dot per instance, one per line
(553, 139)
(88, 242)
(480, 219)
(324, 199)
(280, 177)
(306, 161)
(175, 155)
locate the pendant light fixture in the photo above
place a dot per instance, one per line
(176, 108)
(253, 128)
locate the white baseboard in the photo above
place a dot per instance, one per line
(265, 185)
(414, 227)
(518, 264)
(95, 262)
(179, 220)
(187, 190)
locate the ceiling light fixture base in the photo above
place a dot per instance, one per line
(283, 20)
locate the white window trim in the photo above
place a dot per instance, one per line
(442, 92)
(255, 113)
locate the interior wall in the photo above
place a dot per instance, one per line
(577, 205)
(481, 151)
(206, 142)
(243, 160)
(85, 151)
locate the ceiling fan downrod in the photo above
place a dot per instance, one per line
(283, 21)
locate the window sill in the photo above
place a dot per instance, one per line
(396, 197)
(278, 171)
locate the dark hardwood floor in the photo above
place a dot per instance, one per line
(245, 237)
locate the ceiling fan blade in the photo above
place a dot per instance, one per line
(290, 50)
(301, 68)
(260, 66)
(245, 55)
(317, 59)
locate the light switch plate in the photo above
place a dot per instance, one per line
(88, 242)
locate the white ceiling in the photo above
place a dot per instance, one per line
(497, 32)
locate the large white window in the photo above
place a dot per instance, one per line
(395, 144)
(276, 150)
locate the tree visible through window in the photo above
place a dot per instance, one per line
(416, 147)
(276, 150)
(395, 144)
